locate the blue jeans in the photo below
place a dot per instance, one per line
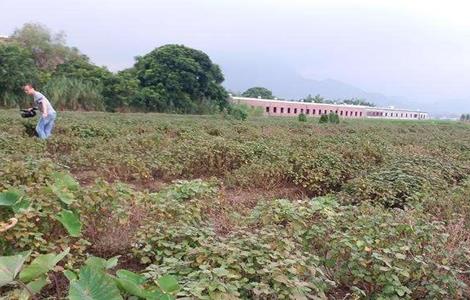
(45, 126)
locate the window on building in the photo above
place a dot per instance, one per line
(416, 116)
(274, 109)
(346, 113)
(288, 110)
(308, 111)
(319, 111)
(341, 113)
(301, 110)
(295, 110)
(355, 114)
(282, 110)
(360, 114)
(267, 109)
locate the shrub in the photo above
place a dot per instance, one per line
(323, 119)
(302, 118)
(238, 112)
(333, 118)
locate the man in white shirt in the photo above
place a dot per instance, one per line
(48, 114)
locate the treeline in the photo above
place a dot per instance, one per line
(465, 118)
(171, 78)
(264, 93)
(352, 101)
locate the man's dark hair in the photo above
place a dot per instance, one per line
(30, 84)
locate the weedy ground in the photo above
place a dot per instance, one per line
(268, 208)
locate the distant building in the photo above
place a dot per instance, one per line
(292, 108)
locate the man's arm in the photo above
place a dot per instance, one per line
(44, 109)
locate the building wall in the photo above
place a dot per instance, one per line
(291, 108)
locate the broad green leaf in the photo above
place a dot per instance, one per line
(63, 194)
(63, 187)
(131, 287)
(168, 284)
(10, 266)
(9, 198)
(112, 262)
(21, 205)
(70, 221)
(132, 283)
(156, 295)
(65, 180)
(70, 275)
(34, 286)
(101, 263)
(93, 284)
(41, 265)
(96, 263)
(131, 276)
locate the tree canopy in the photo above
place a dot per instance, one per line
(316, 99)
(16, 68)
(49, 50)
(180, 79)
(258, 92)
(171, 78)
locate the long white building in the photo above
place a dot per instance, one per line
(292, 108)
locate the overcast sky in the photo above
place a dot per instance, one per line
(412, 48)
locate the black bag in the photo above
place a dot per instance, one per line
(26, 113)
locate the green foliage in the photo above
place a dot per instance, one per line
(238, 112)
(258, 92)
(316, 99)
(333, 118)
(93, 284)
(403, 181)
(74, 93)
(302, 117)
(224, 206)
(323, 119)
(357, 101)
(41, 265)
(10, 266)
(179, 79)
(15, 200)
(171, 78)
(70, 221)
(28, 279)
(16, 68)
(120, 91)
(48, 49)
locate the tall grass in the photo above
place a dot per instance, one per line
(10, 100)
(74, 94)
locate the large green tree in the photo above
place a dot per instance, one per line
(258, 92)
(176, 78)
(16, 68)
(121, 91)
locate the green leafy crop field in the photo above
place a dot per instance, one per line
(154, 206)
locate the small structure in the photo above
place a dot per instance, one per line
(294, 108)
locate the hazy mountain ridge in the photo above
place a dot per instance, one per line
(289, 85)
